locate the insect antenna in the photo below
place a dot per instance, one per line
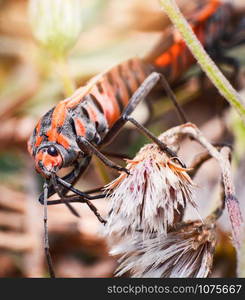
(46, 239)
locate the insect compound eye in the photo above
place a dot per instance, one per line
(52, 151)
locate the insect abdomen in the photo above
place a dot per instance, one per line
(117, 86)
(97, 106)
(208, 25)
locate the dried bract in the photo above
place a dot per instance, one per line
(186, 252)
(145, 225)
(152, 198)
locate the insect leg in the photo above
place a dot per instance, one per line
(116, 155)
(141, 93)
(172, 97)
(76, 199)
(146, 87)
(72, 177)
(84, 144)
(62, 198)
(84, 196)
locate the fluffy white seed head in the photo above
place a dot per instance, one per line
(186, 252)
(152, 198)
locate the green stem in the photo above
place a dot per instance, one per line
(63, 72)
(206, 63)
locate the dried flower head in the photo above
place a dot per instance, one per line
(186, 252)
(152, 198)
(145, 225)
(56, 24)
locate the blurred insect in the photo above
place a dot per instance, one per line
(217, 26)
(81, 125)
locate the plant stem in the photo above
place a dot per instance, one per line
(206, 63)
(63, 72)
(241, 259)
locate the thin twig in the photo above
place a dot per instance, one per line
(231, 201)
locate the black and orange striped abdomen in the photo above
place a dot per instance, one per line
(106, 95)
(209, 24)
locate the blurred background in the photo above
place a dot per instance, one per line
(32, 81)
